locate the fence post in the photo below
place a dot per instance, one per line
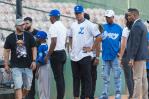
(18, 9)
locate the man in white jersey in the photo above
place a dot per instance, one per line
(57, 54)
(81, 37)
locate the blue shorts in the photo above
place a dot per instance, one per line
(22, 78)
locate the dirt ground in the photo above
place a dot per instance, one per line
(123, 97)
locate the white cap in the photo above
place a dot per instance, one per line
(109, 13)
(19, 22)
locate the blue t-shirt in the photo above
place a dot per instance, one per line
(111, 38)
(41, 53)
(147, 63)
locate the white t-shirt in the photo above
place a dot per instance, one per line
(125, 32)
(58, 30)
(82, 36)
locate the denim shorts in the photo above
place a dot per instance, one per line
(22, 78)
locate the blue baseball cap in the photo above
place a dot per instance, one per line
(41, 35)
(78, 9)
(54, 12)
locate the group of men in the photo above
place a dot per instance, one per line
(84, 41)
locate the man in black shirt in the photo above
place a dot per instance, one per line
(23, 51)
(29, 28)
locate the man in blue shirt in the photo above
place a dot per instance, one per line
(42, 73)
(111, 38)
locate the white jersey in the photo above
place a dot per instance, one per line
(58, 30)
(125, 32)
(82, 36)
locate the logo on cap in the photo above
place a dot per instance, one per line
(78, 9)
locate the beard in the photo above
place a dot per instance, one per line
(27, 28)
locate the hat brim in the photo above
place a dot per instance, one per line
(20, 24)
(54, 15)
(109, 16)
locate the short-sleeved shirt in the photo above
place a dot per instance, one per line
(58, 30)
(82, 36)
(111, 38)
(41, 53)
(24, 59)
(125, 32)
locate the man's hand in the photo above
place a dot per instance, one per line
(7, 69)
(131, 63)
(120, 61)
(87, 49)
(96, 61)
(46, 59)
(33, 65)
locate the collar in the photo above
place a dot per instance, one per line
(136, 21)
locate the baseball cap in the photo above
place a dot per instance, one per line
(41, 35)
(54, 12)
(19, 22)
(78, 9)
(109, 13)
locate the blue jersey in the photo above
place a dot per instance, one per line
(147, 63)
(111, 38)
(41, 53)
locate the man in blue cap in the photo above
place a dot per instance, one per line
(81, 36)
(56, 53)
(42, 67)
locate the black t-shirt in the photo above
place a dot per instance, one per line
(34, 32)
(20, 58)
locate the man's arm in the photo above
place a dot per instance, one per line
(134, 43)
(96, 61)
(6, 59)
(52, 45)
(70, 42)
(96, 45)
(34, 51)
(135, 37)
(123, 46)
(34, 55)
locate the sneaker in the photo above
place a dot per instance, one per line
(118, 96)
(103, 97)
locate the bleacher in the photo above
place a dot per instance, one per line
(41, 20)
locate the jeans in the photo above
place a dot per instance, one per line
(22, 78)
(31, 94)
(115, 67)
